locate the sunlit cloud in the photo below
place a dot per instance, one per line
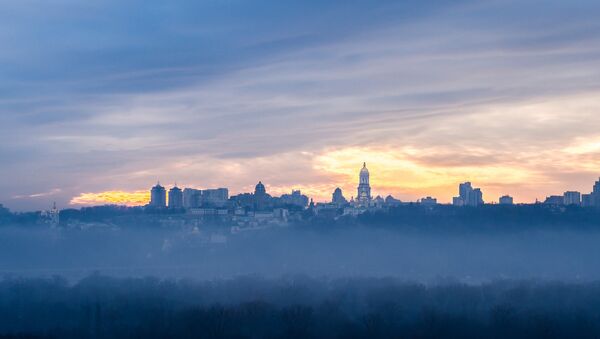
(582, 146)
(136, 198)
(453, 93)
(39, 195)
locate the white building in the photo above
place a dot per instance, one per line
(363, 197)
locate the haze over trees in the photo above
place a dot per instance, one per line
(295, 307)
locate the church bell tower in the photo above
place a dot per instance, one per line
(364, 189)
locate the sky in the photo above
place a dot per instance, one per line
(99, 100)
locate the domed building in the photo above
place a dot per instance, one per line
(262, 200)
(259, 189)
(363, 196)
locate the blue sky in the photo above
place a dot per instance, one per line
(103, 96)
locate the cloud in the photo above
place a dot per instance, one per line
(39, 195)
(136, 198)
(224, 94)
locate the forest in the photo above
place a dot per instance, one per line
(295, 307)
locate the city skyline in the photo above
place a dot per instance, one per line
(163, 196)
(431, 94)
(143, 196)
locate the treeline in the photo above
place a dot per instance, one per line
(295, 307)
(484, 218)
(404, 217)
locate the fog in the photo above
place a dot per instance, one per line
(311, 280)
(340, 252)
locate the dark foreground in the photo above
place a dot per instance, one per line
(251, 307)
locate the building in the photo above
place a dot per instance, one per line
(261, 198)
(214, 197)
(468, 196)
(194, 198)
(586, 200)
(175, 198)
(260, 190)
(429, 201)
(464, 191)
(596, 194)
(337, 197)
(555, 200)
(363, 197)
(329, 210)
(391, 201)
(295, 199)
(378, 202)
(191, 198)
(572, 198)
(476, 198)
(158, 196)
(506, 200)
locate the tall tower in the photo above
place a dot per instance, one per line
(596, 194)
(175, 197)
(363, 196)
(158, 196)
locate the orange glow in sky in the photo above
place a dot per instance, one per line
(136, 198)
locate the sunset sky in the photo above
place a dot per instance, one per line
(101, 99)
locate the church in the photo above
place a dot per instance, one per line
(363, 195)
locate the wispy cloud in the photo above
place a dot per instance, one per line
(429, 93)
(38, 195)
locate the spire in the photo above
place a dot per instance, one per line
(364, 164)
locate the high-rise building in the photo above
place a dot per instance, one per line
(338, 198)
(191, 198)
(158, 196)
(596, 194)
(214, 197)
(586, 200)
(363, 196)
(175, 198)
(464, 191)
(476, 197)
(572, 198)
(468, 196)
(506, 200)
